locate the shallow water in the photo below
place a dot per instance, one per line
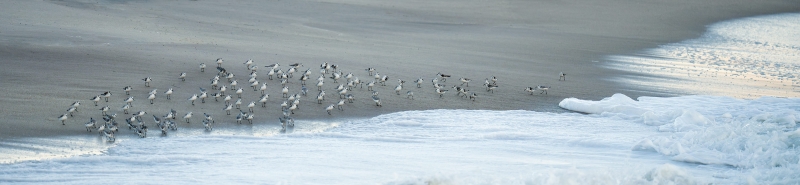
(747, 58)
(693, 139)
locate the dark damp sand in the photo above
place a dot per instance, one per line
(58, 52)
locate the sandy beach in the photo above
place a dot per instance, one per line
(58, 52)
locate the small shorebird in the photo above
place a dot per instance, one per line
(410, 95)
(182, 76)
(168, 93)
(494, 80)
(443, 76)
(348, 76)
(207, 125)
(139, 115)
(90, 125)
(202, 67)
(238, 103)
(147, 81)
(214, 83)
(240, 117)
(377, 101)
(491, 87)
(187, 116)
(329, 108)
(292, 108)
(350, 98)
(125, 108)
(222, 90)
(543, 89)
(239, 92)
(216, 96)
(251, 105)
(370, 70)
(342, 93)
(106, 95)
(320, 97)
(228, 108)
(384, 78)
(562, 76)
(264, 88)
(270, 73)
(227, 99)
(129, 100)
(103, 110)
(254, 84)
(63, 118)
(398, 88)
(95, 99)
(233, 84)
(203, 96)
(419, 82)
(230, 76)
(208, 117)
(303, 90)
(76, 105)
(127, 90)
(296, 64)
(248, 63)
(151, 97)
(473, 96)
(370, 85)
(435, 81)
(335, 77)
(219, 62)
(193, 98)
(70, 110)
(250, 118)
(465, 81)
(154, 91)
(530, 90)
(440, 92)
(263, 100)
(303, 79)
(340, 104)
(273, 66)
(285, 92)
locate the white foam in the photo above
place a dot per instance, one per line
(704, 130)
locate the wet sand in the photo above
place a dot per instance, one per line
(58, 52)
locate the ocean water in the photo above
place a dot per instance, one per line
(677, 140)
(617, 140)
(747, 58)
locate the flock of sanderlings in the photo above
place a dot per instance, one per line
(327, 72)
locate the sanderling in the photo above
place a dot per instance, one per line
(147, 81)
(95, 99)
(182, 76)
(465, 81)
(193, 98)
(168, 93)
(543, 89)
(202, 67)
(329, 108)
(219, 62)
(106, 95)
(63, 118)
(187, 116)
(129, 100)
(263, 100)
(125, 108)
(443, 76)
(530, 89)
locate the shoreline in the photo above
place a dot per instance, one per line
(66, 63)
